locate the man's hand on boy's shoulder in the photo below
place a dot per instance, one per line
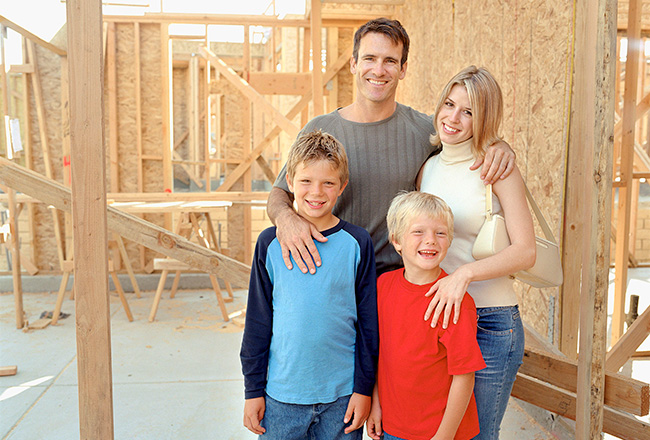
(296, 236)
(358, 410)
(253, 414)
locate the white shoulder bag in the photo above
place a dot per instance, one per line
(493, 237)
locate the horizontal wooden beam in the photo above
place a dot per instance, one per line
(280, 83)
(21, 68)
(158, 197)
(621, 392)
(239, 19)
(562, 402)
(128, 226)
(25, 33)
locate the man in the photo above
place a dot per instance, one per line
(386, 143)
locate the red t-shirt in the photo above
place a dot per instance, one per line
(416, 362)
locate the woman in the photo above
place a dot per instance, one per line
(467, 120)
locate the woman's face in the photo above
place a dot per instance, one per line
(454, 121)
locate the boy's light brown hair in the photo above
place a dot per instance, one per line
(407, 205)
(315, 146)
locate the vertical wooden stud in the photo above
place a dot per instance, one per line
(626, 167)
(111, 86)
(14, 243)
(590, 141)
(167, 114)
(332, 55)
(248, 133)
(317, 66)
(194, 126)
(306, 45)
(84, 21)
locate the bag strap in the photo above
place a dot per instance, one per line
(538, 213)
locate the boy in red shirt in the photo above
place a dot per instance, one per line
(426, 375)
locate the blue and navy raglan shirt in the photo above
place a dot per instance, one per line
(312, 338)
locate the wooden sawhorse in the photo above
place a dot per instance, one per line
(68, 268)
(189, 224)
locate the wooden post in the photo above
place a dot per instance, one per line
(332, 54)
(29, 154)
(247, 123)
(14, 244)
(66, 237)
(84, 21)
(138, 103)
(138, 123)
(317, 65)
(193, 116)
(207, 122)
(590, 141)
(306, 44)
(111, 86)
(626, 168)
(167, 114)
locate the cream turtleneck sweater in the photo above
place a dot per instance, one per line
(447, 175)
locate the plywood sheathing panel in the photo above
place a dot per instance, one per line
(231, 148)
(152, 138)
(527, 46)
(49, 65)
(344, 77)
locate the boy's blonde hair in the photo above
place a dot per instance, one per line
(407, 205)
(314, 146)
(486, 101)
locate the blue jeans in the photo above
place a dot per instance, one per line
(500, 336)
(321, 421)
(387, 436)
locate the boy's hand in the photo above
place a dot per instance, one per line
(296, 237)
(498, 163)
(358, 409)
(253, 415)
(373, 424)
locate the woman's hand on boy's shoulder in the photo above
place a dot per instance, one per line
(448, 293)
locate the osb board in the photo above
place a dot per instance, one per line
(526, 45)
(344, 77)
(232, 148)
(49, 65)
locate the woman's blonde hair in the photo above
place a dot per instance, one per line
(407, 205)
(486, 101)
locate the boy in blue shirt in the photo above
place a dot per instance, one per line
(310, 345)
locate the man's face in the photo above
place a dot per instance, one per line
(378, 68)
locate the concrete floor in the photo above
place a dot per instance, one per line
(176, 378)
